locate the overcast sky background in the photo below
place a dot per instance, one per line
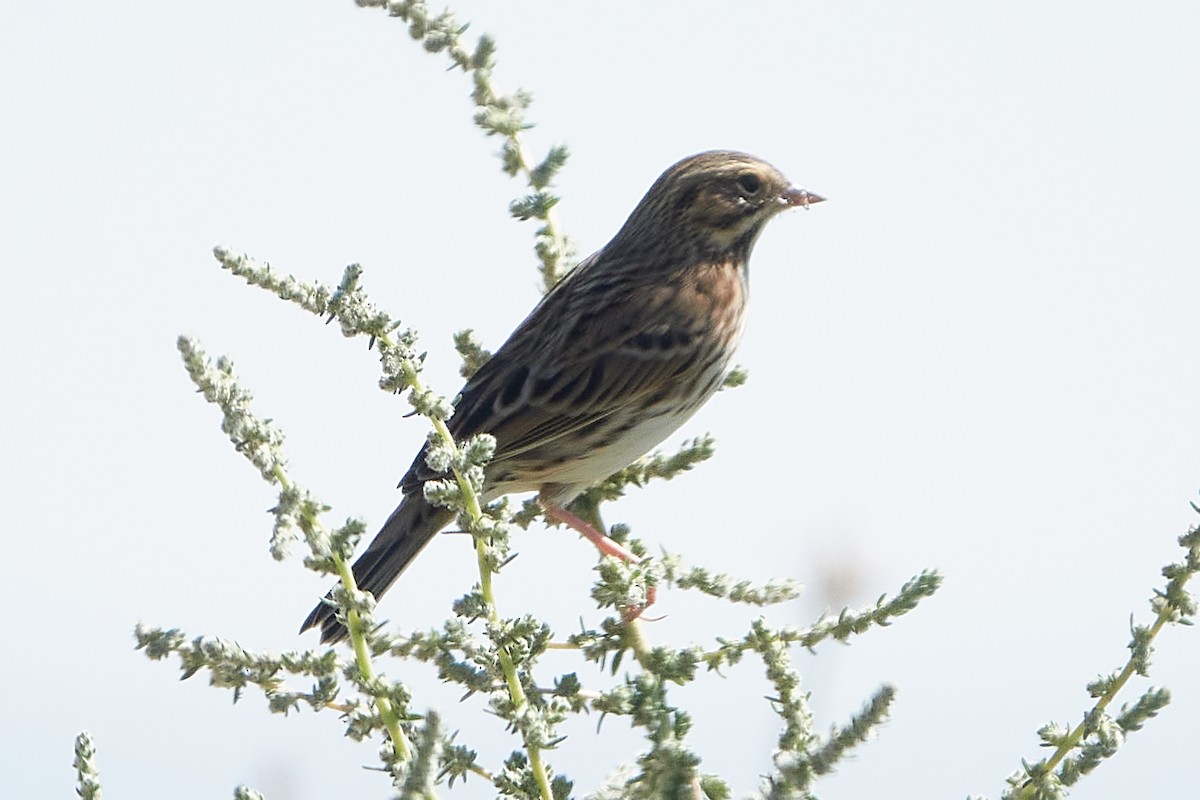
(980, 355)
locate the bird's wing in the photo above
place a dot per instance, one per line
(578, 358)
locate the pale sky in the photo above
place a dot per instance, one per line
(980, 355)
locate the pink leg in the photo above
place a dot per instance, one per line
(605, 545)
(556, 513)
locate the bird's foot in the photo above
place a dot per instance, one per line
(635, 612)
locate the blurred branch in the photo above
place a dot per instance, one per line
(87, 774)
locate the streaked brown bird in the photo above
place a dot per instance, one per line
(612, 361)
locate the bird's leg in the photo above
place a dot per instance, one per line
(556, 513)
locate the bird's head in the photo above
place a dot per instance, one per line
(717, 201)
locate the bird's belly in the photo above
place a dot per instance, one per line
(606, 458)
(605, 450)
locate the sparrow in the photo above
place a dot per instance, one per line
(618, 355)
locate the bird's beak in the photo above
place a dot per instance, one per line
(795, 196)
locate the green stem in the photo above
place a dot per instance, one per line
(1080, 731)
(475, 513)
(549, 268)
(638, 641)
(361, 655)
(515, 691)
(366, 669)
(447, 36)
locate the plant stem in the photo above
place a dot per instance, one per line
(475, 513)
(549, 268)
(365, 668)
(1080, 731)
(361, 655)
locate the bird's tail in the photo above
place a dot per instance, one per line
(411, 526)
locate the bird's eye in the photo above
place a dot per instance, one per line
(749, 182)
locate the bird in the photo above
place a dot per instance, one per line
(612, 360)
